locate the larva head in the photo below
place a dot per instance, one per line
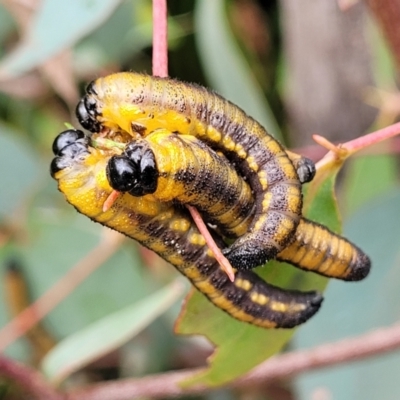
(87, 110)
(66, 138)
(118, 102)
(134, 172)
(68, 146)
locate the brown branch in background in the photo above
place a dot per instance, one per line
(59, 291)
(387, 13)
(28, 380)
(287, 365)
(168, 385)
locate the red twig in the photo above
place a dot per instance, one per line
(222, 260)
(28, 379)
(160, 41)
(290, 364)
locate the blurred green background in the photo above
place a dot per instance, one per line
(299, 68)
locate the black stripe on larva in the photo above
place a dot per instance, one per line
(218, 120)
(279, 199)
(186, 175)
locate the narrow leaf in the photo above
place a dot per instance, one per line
(109, 333)
(56, 26)
(225, 65)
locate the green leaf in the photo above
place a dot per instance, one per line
(225, 65)
(241, 346)
(55, 27)
(6, 24)
(107, 334)
(367, 178)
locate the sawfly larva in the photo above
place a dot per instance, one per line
(139, 104)
(170, 232)
(184, 169)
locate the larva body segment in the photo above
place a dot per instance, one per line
(193, 174)
(315, 248)
(81, 176)
(188, 172)
(141, 104)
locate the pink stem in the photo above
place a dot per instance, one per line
(160, 42)
(28, 379)
(362, 142)
(373, 137)
(222, 260)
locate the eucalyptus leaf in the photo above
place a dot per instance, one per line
(225, 65)
(108, 333)
(56, 26)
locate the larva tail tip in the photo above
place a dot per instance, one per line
(312, 302)
(361, 268)
(317, 300)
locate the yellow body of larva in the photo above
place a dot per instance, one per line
(141, 104)
(193, 174)
(317, 249)
(172, 234)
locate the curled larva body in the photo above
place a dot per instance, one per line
(186, 171)
(193, 174)
(141, 104)
(170, 232)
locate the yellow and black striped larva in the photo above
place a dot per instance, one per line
(140, 104)
(182, 168)
(186, 170)
(169, 231)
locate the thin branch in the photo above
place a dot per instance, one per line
(28, 379)
(168, 385)
(362, 142)
(60, 290)
(202, 227)
(160, 41)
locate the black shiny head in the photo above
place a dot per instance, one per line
(122, 174)
(67, 156)
(66, 138)
(87, 109)
(67, 146)
(86, 114)
(134, 172)
(91, 88)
